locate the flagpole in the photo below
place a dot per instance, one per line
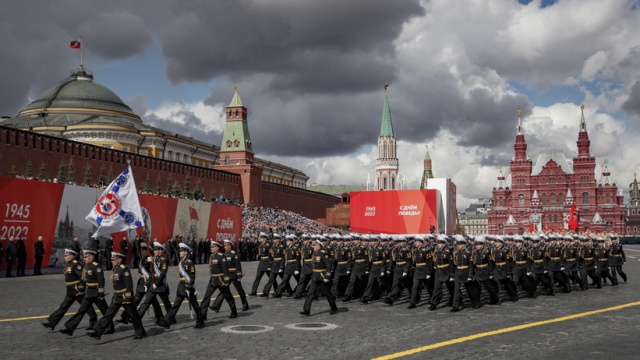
(81, 49)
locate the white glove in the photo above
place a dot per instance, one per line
(469, 279)
(296, 272)
(450, 278)
(595, 267)
(348, 272)
(146, 288)
(153, 286)
(545, 271)
(491, 277)
(280, 270)
(528, 274)
(326, 280)
(404, 274)
(268, 269)
(428, 277)
(382, 274)
(561, 269)
(149, 259)
(388, 272)
(366, 272)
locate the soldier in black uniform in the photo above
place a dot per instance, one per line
(520, 267)
(443, 263)
(122, 297)
(422, 265)
(399, 267)
(501, 268)
(186, 289)
(320, 280)
(538, 267)
(264, 262)
(555, 258)
(93, 279)
(38, 255)
(124, 248)
(588, 264)
(306, 252)
(358, 267)
(220, 278)
(376, 270)
(602, 258)
(276, 267)
(341, 270)
(617, 258)
(235, 274)
(75, 291)
(108, 248)
(570, 254)
(157, 285)
(291, 267)
(482, 273)
(462, 261)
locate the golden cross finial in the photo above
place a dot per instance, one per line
(386, 85)
(603, 164)
(634, 174)
(582, 108)
(235, 88)
(519, 112)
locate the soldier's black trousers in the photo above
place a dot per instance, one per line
(396, 288)
(510, 287)
(319, 287)
(137, 299)
(22, 263)
(593, 274)
(353, 280)
(492, 289)
(112, 311)
(193, 301)
(415, 288)
(226, 293)
(471, 290)
(284, 285)
(618, 269)
(338, 283)
(437, 292)
(256, 282)
(370, 291)
(272, 281)
(561, 278)
(543, 279)
(243, 296)
(37, 268)
(302, 285)
(57, 315)
(85, 305)
(605, 273)
(148, 299)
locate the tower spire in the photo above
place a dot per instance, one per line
(386, 129)
(519, 130)
(520, 145)
(427, 173)
(583, 137)
(583, 123)
(387, 164)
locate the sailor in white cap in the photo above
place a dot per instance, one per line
(219, 279)
(501, 269)
(186, 289)
(158, 285)
(75, 290)
(320, 280)
(291, 267)
(399, 267)
(422, 265)
(122, 297)
(264, 262)
(443, 262)
(235, 274)
(482, 273)
(306, 254)
(358, 266)
(376, 268)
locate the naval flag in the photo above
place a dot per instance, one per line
(118, 209)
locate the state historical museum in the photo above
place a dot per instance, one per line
(540, 197)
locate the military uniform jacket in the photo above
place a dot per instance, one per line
(400, 262)
(234, 265)
(462, 261)
(321, 266)
(73, 278)
(306, 253)
(602, 257)
(443, 262)
(537, 260)
(144, 269)
(277, 256)
(570, 255)
(342, 256)
(218, 269)
(377, 258)
(422, 263)
(264, 257)
(122, 284)
(616, 255)
(359, 260)
(587, 258)
(555, 258)
(500, 264)
(292, 260)
(520, 258)
(159, 269)
(187, 275)
(480, 269)
(93, 278)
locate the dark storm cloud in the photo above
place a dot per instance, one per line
(632, 104)
(192, 127)
(312, 46)
(116, 35)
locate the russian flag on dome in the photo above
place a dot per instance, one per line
(118, 209)
(75, 44)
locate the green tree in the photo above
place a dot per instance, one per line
(28, 169)
(102, 180)
(71, 171)
(12, 171)
(42, 172)
(198, 193)
(177, 189)
(158, 185)
(146, 186)
(86, 178)
(169, 188)
(110, 174)
(62, 172)
(212, 196)
(187, 187)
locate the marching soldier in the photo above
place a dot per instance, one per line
(376, 270)
(462, 261)
(264, 262)
(482, 273)
(538, 267)
(588, 264)
(219, 280)
(520, 270)
(422, 265)
(157, 286)
(399, 266)
(75, 291)
(93, 279)
(320, 280)
(186, 289)
(306, 254)
(235, 274)
(443, 262)
(602, 257)
(501, 268)
(291, 267)
(342, 256)
(357, 267)
(277, 265)
(617, 258)
(555, 265)
(122, 297)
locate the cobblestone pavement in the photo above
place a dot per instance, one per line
(273, 329)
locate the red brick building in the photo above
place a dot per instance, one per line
(540, 196)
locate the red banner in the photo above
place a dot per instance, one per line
(394, 212)
(225, 223)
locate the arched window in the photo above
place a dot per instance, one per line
(227, 160)
(501, 202)
(543, 199)
(561, 198)
(585, 197)
(520, 200)
(552, 199)
(236, 143)
(229, 143)
(607, 199)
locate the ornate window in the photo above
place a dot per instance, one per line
(552, 199)
(520, 199)
(585, 197)
(229, 143)
(227, 160)
(236, 143)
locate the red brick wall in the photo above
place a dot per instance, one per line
(309, 203)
